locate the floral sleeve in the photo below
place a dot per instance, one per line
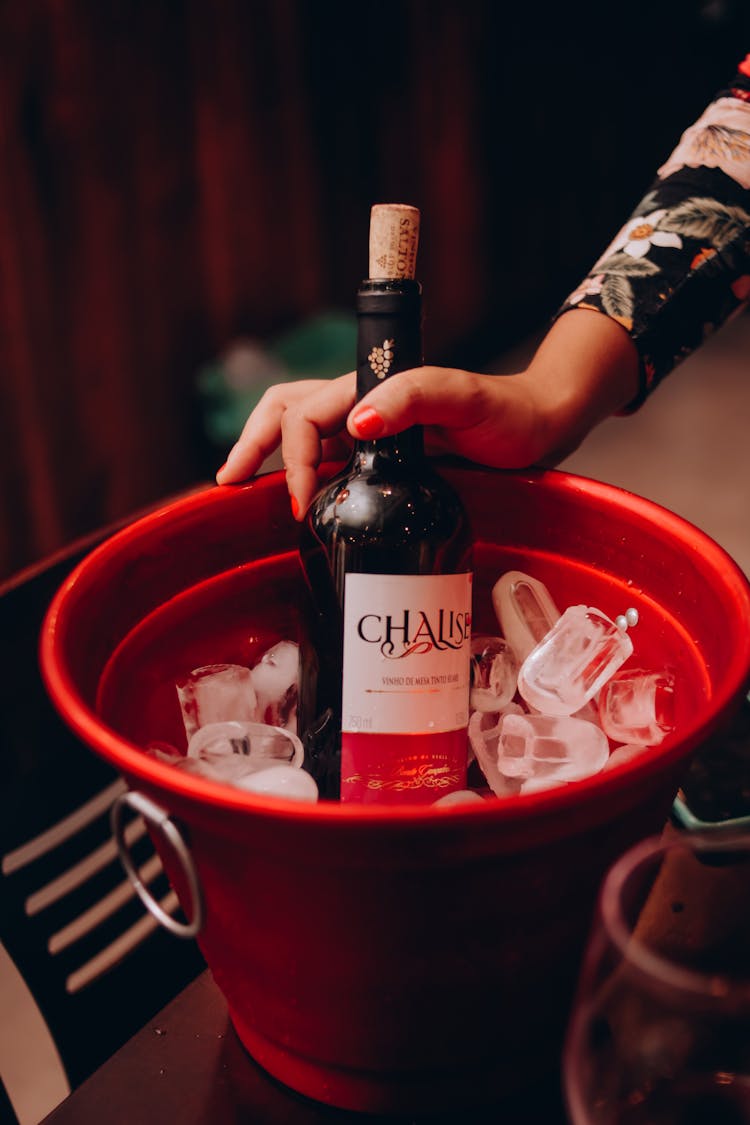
(681, 264)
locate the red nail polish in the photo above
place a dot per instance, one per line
(295, 507)
(368, 423)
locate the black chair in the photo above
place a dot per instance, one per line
(75, 940)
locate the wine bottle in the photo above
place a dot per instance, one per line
(385, 549)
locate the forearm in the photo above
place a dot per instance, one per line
(585, 369)
(681, 265)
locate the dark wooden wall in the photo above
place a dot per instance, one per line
(176, 174)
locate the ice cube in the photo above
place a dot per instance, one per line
(460, 797)
(553, 747)
(281, 781)
(230, 769)
(484, 732)
(570, 664)
(494, 673)
(231, 752)
(525, 609)
(216, 693)
(274, 679)
(637, 707)
(164, 752)
(538, 784)
(622, 754)
(512, 708)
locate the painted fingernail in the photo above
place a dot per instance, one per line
(368, 422)
(295, 506)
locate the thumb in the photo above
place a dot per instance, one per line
(428, 396)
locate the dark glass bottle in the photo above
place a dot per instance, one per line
(386, 552)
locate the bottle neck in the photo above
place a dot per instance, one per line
(389, 340)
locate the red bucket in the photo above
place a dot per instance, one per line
(392, 959)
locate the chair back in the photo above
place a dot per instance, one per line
(82, 965)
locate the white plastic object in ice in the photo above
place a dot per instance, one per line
(256, 744)
(525, 610)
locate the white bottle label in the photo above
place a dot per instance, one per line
(407, 652)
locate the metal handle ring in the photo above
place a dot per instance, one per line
(160, 821)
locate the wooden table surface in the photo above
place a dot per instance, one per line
(187, 1065)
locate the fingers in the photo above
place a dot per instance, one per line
(490, 419)
(261, 433)
(430, 396)
(306, 418)
(502, 421)
(303, 427)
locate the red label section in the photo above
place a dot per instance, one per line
(400, 769)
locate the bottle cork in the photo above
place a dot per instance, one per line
(394, 235)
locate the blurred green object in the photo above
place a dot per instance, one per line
(715, 793)
(232, 385)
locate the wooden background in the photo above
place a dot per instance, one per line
(174, 175)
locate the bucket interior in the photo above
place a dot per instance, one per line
(215, 578)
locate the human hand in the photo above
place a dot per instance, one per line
(489, 419)
(585, 368)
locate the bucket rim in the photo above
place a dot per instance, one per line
(132, 761)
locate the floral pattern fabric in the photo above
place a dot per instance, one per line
(680, 266)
